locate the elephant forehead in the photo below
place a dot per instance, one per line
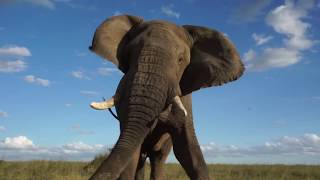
(164, 29)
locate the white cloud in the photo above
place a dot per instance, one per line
(271, 58)
(306, 147)
(2, 128)
(15, 51)
(12, 66)
(19, 142)
(249, 56)
(12, 52)
(89, 93)
(287, 20)
(167, 10)
(3, 114)
(80, 75)
(261, 38)
(36, 80)
(80, 147)
(308, 144)
(105, 71)
(22, 148)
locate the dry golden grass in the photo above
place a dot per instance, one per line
(61, 170)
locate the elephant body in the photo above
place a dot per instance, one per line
(163, 64)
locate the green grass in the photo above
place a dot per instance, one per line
(62, 170)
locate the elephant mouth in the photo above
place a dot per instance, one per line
(109, 103)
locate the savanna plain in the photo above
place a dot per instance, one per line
(64, 170)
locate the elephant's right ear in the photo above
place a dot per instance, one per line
(110, 36)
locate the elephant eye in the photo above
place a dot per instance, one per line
(180, 60)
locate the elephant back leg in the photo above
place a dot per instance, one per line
(140, 172)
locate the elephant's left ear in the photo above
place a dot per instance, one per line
(214, 60)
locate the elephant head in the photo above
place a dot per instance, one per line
(160, 61)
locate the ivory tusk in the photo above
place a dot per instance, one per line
(103, 105)
(177, 101)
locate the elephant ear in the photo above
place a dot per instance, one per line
(214, 60)
(111, 36)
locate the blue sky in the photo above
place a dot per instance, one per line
(48, 79)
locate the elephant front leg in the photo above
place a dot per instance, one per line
(187, 150)
(185, 144)
(130, 171)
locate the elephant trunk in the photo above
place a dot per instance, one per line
(146, 99)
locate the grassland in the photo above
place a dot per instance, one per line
(61, 170)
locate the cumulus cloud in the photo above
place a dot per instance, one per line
(36, 80)
(12, 66)
(15, 51)
(14, 58)
(271, 58)
(23, 148)
(250, 10)
(287, 20)
(80, 75)
(3, 114)
(308, 144)
(79, 147)
(19, 142)
(261, 38)
(105, 71)
(167, 10)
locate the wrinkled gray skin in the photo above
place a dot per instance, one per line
(156, 146)
(161, 60)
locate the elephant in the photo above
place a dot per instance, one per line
(156, 146)
(163, 63)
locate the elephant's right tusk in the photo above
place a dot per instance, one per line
(103, 105)
(177, 101)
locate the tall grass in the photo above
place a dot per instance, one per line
(62, 170)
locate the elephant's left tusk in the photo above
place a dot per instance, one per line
(177, 101)
(103, 105)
